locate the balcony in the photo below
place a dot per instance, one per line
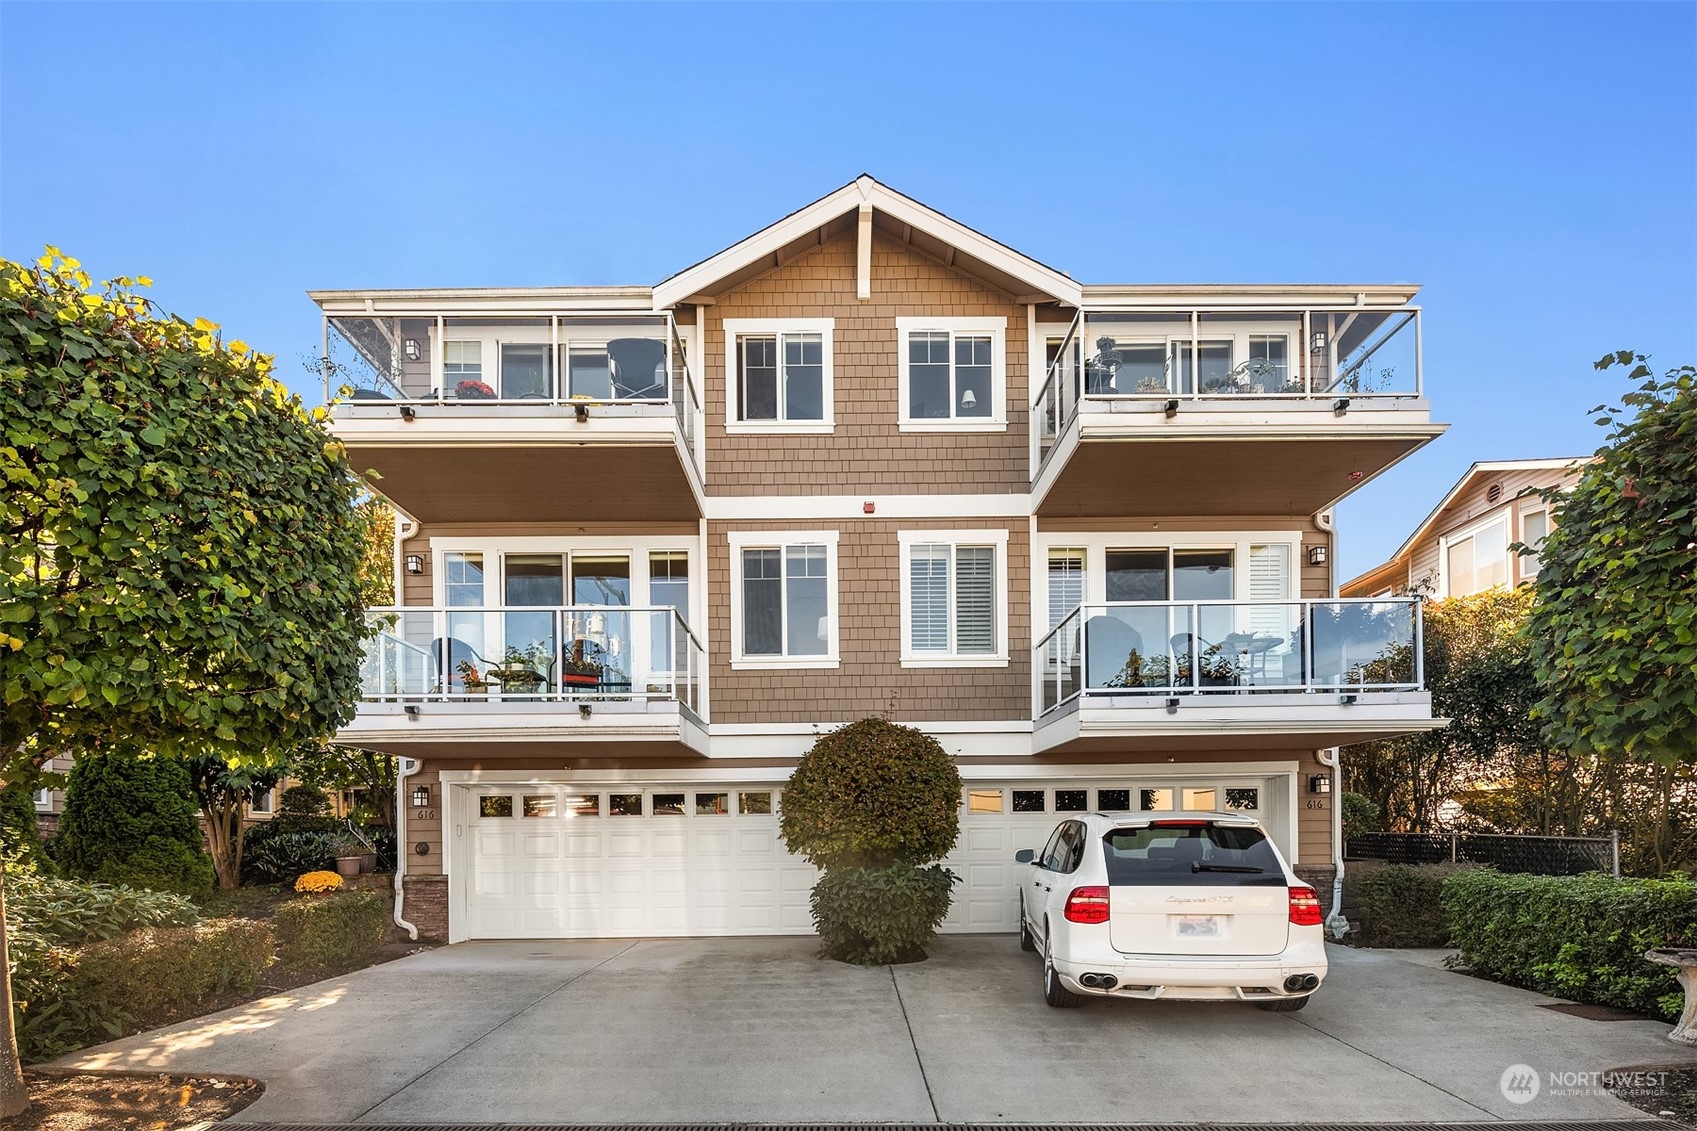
(467, 419)
(1225, 411)
(540, 680)
(1211, 675)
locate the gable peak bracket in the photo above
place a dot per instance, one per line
(863, 254)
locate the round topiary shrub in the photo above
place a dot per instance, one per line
(133, 820)
(871, 804)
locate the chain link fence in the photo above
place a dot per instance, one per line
(1506, 852)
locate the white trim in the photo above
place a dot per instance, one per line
(997, 538)
(732, 508)
(826, 329)
(740, 540)
(1574, 464)
(1519, 560)
(997, 328)
(1503, 513)
(969, 772)
(930, 726)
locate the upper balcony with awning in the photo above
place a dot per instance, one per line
(496, 411)
(1260, 403)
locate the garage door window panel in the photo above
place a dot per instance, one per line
(541, 805)
(495, 806)
(754, 803)
(712, 804)
(624, 804)
(668, 805)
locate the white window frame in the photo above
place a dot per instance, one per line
(1503, 514)
(1520, 572)
(44, 799)
(995, 538)
(740, 540)
(997, 328)
(741, 327)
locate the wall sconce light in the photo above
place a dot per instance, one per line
(410, 346)
(1347, 700)
(968, 399)
(581, 411)
(1318, 345)
(407, 413)
(415, 564)
(1320, 783)
(1317, 555)
(1341, 405)
(1172, 409)
(584, 710)
(412, 713)
(421, 797)
(1172, 705)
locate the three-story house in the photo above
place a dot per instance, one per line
(654, 540)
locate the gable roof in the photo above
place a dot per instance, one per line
(1468, 478)
(970, 250)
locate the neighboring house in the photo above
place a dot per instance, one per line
(1462, 547)
(653, 540)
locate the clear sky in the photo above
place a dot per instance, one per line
(1533, 165)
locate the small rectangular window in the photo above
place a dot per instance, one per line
(1155, 800)
(785, 607)
(1269, 366)
(624, 804)
(779, 372)
(525, 371)
(1113, 800)
(1534, 528)
(754, 803)
(1201, 800)
(498, 806)
(712, 804)
(583, 804)
(668, 804)
(1244, 798)
(951, 371)
(952, 600)
(1071, 800)
(1028, 801)
(462, 363)
(983, 801)
(541, 805)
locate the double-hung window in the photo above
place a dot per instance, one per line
(778, 375)
(952, 373)
(1477, 559)
(784, 599)
(954, 597)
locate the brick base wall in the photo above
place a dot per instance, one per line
(426, 905)
(1322, 877)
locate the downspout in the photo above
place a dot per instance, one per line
(1335, 922)
(408, 767)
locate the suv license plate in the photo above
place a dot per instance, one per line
(1196, 926)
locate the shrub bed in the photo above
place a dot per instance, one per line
(872, 916)
(147, 976)
(1577, 937)
(332, 931)
(1400, 905)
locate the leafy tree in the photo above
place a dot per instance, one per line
(20, 840)
(178, 544)
(1614, 631)
(376, 575)
(873, 803)
(132, 820)
(224, 791)
(368, 772)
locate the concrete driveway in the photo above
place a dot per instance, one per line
(758, 1030)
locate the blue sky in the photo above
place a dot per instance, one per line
(1534, 166)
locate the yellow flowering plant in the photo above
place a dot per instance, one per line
(319, 881)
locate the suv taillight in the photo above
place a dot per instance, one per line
(1305, 907)
(1088, 905)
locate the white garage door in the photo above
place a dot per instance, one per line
(582, 861)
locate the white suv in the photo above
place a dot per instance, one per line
(1192, 907)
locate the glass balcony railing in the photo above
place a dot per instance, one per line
(1285, 354)
(601, 365)
(1230, 648)
(605, 652)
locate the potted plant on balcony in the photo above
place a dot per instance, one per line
(470, 390)
(471, 678)
(580, 670)
(524, 670)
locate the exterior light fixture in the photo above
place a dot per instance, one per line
(1347, 699)
(1317, 555)
(421, 797)
(1320, 783)
(412, 351)
(1172, 408)
(1318, 344)
(584, 710)
(1341, 405)
(412, 713)
(415, 564)
(1172, 705)
(407, 413)
(581, 411)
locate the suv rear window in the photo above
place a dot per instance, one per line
(1195, 854)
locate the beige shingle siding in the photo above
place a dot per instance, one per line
(866, 452)
(1474, 504)
(870, 677)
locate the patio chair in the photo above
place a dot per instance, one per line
(638, 368)
(453, 680)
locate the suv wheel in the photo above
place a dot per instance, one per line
(1289, 1005)
(1054, 993)
(1026, 942)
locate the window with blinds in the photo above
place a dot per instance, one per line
(1066, 594)
(1269, 589)
(951, 600)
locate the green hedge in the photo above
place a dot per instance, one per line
(1400, 905)
(146, 977)
(332, 932)
(871, 916)
(1577, 937)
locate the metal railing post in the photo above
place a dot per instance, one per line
(1614, 851)
(1454, 838)
(1308, 680)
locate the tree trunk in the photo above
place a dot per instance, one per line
(14, 1096)
(226, 860)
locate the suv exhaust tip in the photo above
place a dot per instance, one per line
(1098, 981)
(1297, 983)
